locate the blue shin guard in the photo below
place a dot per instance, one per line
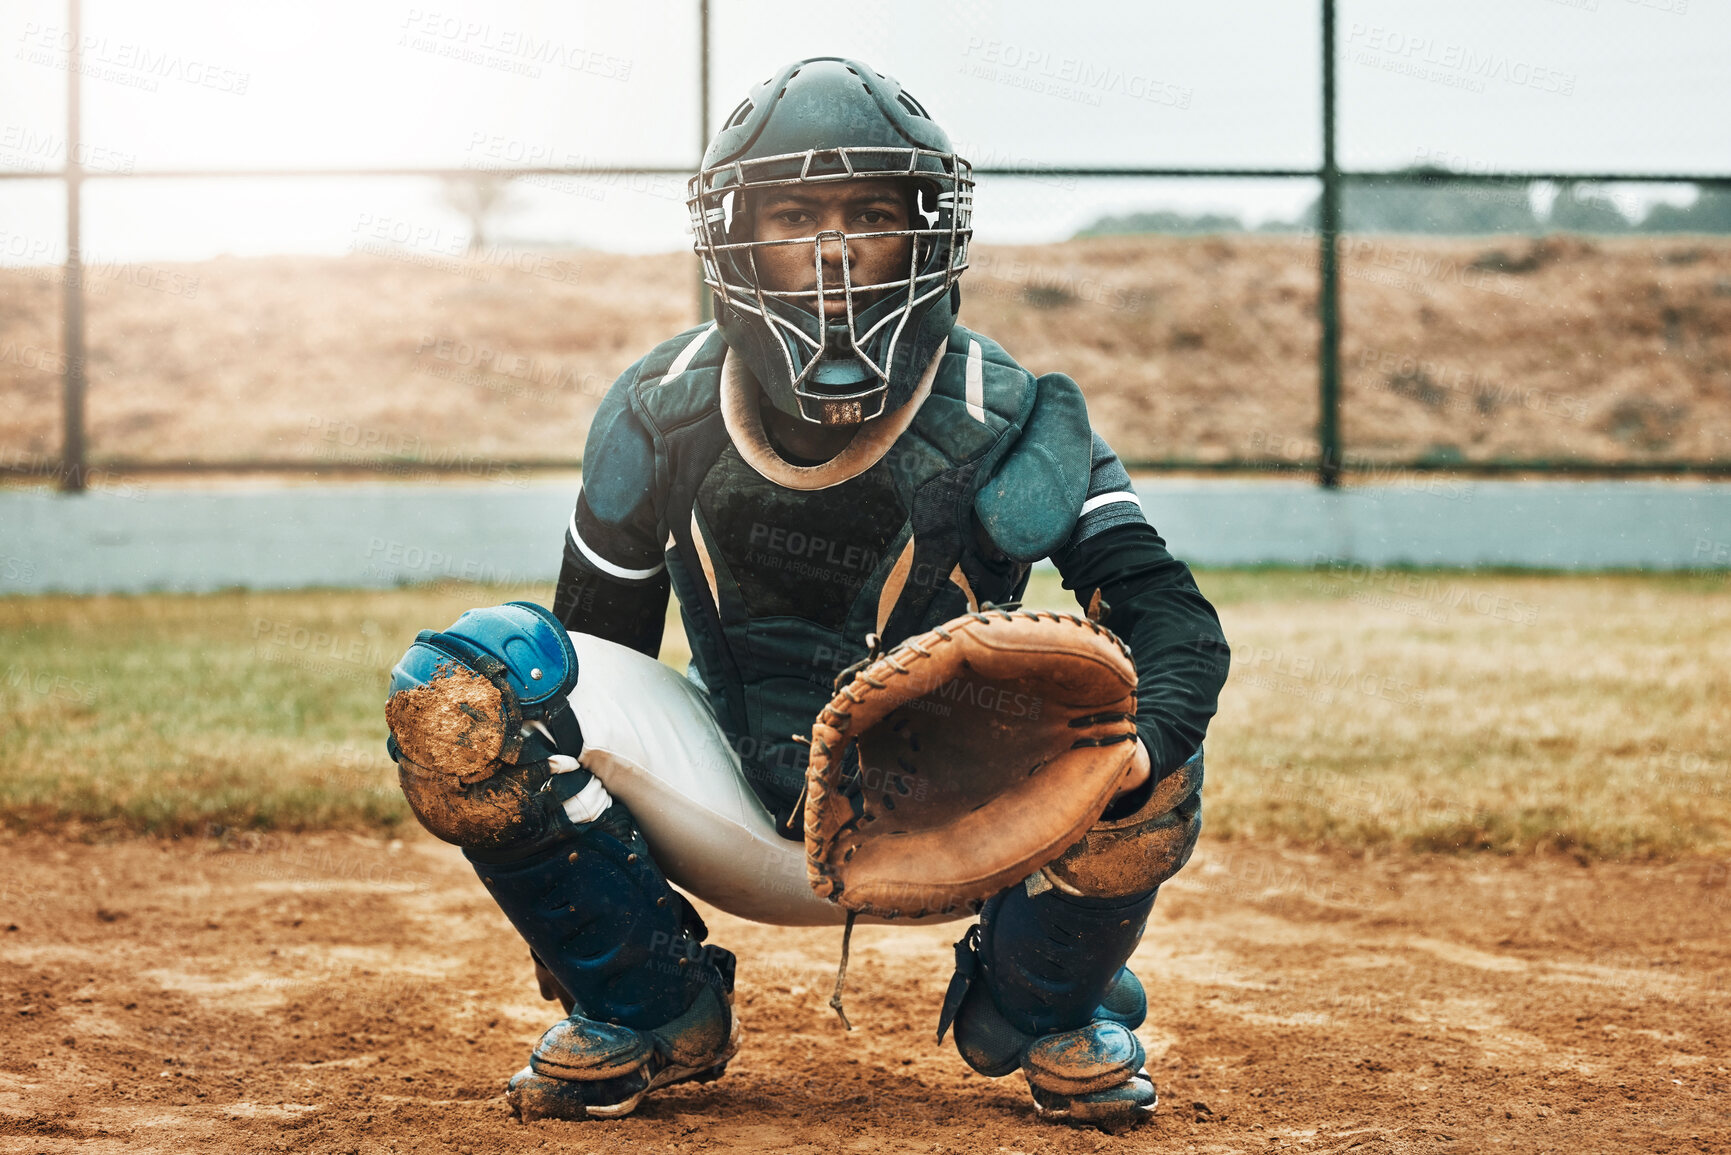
(479, 714)
(651, 1006)
(1041, 985)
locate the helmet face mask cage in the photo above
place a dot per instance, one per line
(840, 370)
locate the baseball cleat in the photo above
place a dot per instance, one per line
(582, 1069)
(1093, 1074)
(1114, 1109)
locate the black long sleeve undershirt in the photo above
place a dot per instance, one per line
(1174, 634)
(590, 602)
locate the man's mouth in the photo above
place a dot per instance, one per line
(834, 300)
(835, 297)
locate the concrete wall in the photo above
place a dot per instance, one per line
(381, 534)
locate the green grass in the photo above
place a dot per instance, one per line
(1447, 711)
(1422, 710)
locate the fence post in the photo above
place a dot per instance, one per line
(1328, 300)
(72, 451)
(705, 309)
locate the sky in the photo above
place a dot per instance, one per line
(1574, 85)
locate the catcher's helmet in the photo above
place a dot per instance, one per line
(822, 120)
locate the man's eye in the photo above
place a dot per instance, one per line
(873, 217)
(792, 217)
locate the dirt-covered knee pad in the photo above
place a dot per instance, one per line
(505, 810)
(1136, 852)
(475, 713)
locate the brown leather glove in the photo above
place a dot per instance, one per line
(987, 746)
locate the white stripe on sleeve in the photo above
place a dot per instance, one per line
(607, 567)
(1096, 502)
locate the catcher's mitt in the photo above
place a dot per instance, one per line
(986, 747)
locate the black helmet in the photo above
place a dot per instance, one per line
(823, 120)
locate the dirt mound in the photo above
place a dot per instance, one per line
(335, 994)
(1187, 348)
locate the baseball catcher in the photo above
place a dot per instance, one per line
(846, 490)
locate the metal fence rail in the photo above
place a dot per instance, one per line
(73, 469)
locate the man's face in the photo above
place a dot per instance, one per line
(855, 208)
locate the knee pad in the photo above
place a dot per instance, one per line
(477, 713)
(502, 811)
(1135, 852)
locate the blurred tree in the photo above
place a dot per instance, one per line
(1711, 213)
(1163, 221)
(1437, 206)
(477, 196)
(1583, 208)
(1427, 206)
(1452, 209)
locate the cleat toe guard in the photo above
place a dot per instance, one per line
(1084, 1061)
(1115, 1109)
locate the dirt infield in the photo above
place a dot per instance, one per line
(340, 994)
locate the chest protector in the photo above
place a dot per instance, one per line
(782, 571)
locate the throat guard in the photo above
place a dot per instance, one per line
(825, 120)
